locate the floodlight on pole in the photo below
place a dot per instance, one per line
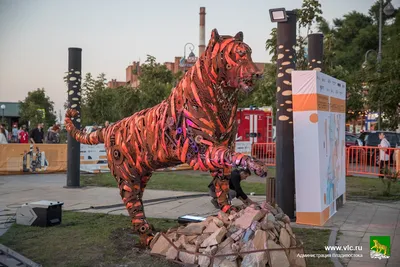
(278, 15)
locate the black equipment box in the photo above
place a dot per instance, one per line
(40, 213)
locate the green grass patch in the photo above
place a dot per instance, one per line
(356, 187)
(84, 240)
(175, 181)
(99, 240)
(314, 241)
(371, 188)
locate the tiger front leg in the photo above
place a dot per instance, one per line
(220, 157)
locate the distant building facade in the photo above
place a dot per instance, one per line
(10, 114)
(133, 72)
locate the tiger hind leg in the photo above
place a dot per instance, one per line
(221, 184)
(131, 192)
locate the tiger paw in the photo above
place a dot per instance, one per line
(147, 240)
(259, 168)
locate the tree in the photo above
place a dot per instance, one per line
(309, 13)
(270, 45)
(126, 102)
(264, 90)
(354, 35)
(31, 109)
(156, 82)
(88, 87)
(99, 103)
(384, 84)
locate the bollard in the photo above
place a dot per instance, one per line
(271, 190)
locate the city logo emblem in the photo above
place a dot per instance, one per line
(379, 247)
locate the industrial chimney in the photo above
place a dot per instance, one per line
(202, 40)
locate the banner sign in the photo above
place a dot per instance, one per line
(243, 147)
(50, 158)
(33, 158)
(94, 159)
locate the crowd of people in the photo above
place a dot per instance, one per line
(36, 136)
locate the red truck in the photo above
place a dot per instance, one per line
(255, 126)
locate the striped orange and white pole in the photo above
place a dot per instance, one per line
(319, 105)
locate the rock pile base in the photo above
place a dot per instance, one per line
(252, 237)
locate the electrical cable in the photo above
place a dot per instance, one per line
(12, 216)
(164, 199)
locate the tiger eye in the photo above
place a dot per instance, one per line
(228, 66)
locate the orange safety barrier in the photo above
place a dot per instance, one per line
(264, 152)
(51, 158)
(28, 158)
(373, 161)
(360, 160)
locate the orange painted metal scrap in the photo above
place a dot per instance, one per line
(194, 125)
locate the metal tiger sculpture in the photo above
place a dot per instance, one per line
(195, 125)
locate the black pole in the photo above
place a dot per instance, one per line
(285, 183)
(74, 102)
(315, 51)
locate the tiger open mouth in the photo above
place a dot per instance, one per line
(246, 84)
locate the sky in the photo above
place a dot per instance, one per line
(35, 35)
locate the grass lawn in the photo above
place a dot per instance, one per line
(84, 240)
(94, 240)
(371, 188)
(356, 187)
(176, 181)
(314, 241)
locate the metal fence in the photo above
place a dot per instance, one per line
(360, 160)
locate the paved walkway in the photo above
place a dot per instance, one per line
(18, 189)
(356, 221)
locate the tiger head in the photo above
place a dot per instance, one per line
(228, 62)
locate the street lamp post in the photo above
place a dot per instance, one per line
(285, 176)
(3, 107)
(191, 58)
(388, 9)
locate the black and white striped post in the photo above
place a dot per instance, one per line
(286, 55)
(74, 102)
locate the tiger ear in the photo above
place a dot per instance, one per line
(239, 36)
(215, 36)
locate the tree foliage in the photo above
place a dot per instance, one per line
(100, 103)
(383, 81)
(31, 109)
(264, 93)
(156, 82)
(346, 42)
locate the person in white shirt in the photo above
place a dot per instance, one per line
(384, 153)
(3, 139)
